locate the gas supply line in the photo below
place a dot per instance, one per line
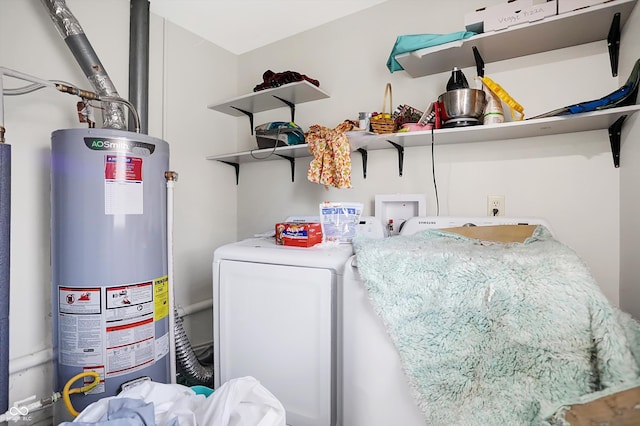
(39, 83)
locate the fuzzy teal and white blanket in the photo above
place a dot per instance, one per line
(496, 334)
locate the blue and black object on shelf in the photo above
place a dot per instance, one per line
(625, 95)
(278, 133)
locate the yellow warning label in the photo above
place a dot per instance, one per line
(161, 297)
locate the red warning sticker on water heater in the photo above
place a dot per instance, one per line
(123, 188)
(123, 168)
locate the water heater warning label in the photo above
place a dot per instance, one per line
(73, 300)
(129, 301)
(79, 326)
(123, 187)
(161, 292)
(114, 327)
(130, 346)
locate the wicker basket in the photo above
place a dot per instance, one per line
(380, 124)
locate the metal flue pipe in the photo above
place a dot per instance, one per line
(139, 62)
(75, 38)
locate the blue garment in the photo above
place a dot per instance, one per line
(409, 43)
(125, 412)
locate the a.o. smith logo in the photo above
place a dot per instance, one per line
(106, 144)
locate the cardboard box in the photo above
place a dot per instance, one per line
(565, 6)
(504, 15)
(298, 234)
(532, 13)
(620, 408)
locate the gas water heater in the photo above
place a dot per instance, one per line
(109, 259)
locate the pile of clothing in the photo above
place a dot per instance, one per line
(272, 79)
(242, 401)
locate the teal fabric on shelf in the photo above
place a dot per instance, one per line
(409, 43)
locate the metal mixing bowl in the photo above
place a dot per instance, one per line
(462, 103)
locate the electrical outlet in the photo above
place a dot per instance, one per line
(495, 205)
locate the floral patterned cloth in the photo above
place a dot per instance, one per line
(331, 164)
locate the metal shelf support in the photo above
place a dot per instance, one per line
(236, 166)
(248, 114)
(291, 106)
(615, 131)
(613, 43)
(292, 161)
(365, 155)
(400, 150)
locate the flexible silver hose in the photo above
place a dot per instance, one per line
(188, 364)
(134, 112)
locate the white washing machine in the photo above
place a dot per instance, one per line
(277, 317)
(375, 391)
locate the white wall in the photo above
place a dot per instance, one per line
(629, 180)
(567, 179)
(186, 74)
(197, 73)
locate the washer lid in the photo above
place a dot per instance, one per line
(265, 250)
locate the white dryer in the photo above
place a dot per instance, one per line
(276, 318)
(375, 390)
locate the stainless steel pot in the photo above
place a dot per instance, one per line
(462, 103)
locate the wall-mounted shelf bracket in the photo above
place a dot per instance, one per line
(613, 43)
(614, 139)
(364, 161)
(292, 161)
(236, 166)
(400, 150)
(291, 106)
(248, 114)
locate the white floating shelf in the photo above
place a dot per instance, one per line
(554, 32)
(264, 100)
(584, 122)
(267, 154)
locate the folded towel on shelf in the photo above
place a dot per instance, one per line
(409, 43)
